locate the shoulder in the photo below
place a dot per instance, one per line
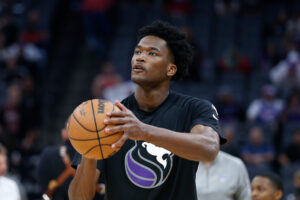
(8, 182)
(232, 160)
(186, 100)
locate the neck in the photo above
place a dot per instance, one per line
(149, 99)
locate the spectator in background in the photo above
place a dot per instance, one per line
(269, 58)
(9, 29)
(296, 194)
(267, 109)
(291, 152)
(266, 186)
(233, 60)
(179, 11)
(119, 91)
(97, 24)
(11, 116)
(108, 77)
(257, 153)
(13, 71)
(291, 112)
(286, 75)
(55, 172)
(229, 110)
(225, 178)
(56, 160)
(8, 187)
(33, 33)
(231, 146)
(223, 7)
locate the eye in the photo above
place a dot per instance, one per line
(151, 53)
(137, 51)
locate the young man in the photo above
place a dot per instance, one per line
(266, 187)
(165, 133)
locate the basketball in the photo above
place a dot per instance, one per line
(86, 129)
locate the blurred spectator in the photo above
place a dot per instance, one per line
(233, 60)
(8, 187)
(55, 161)
(267, 109)
(223, 7)
(267, 186)
(119, 91)
(277, 27)
(11, 116)
(296, 194)
(218, 181)
(13, 71)
(231, 146)
(179, 10)
(269, 58)
(257, 153)
(33, 33)
(286, 75)
(9, 29)
(97, 24)
(229, 110)
(108, 77)
(291, 152)
(291, 112)
(55, 171)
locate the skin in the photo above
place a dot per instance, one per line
(152, 69)
(263, 189)
(3, 164)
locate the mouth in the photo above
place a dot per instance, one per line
(138, 68)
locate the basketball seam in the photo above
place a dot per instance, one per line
(93, 147)
(97, 128)
(85, 127)
(82, 125)
(93, 138)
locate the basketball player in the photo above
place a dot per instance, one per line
(165, 133)
(266, 187)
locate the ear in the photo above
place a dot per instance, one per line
(278, 194)
(172, 69)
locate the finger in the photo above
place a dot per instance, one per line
(115, 129)
(118, 114)
(120, 106)
(116, 120)
(120, 142)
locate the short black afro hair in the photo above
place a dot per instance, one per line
(179, 47)
(274, 179)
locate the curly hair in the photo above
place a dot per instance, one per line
(179, 47)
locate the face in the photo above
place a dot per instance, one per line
(152, 62)
(263, 189)
(3, 164)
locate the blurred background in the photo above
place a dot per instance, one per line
(54, 54)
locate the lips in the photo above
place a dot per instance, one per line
(138, 68)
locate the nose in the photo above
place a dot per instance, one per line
(140, 58)
(254, 194)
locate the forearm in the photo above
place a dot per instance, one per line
(192, 146)
(83, 184)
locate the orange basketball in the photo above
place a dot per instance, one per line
(86, 129)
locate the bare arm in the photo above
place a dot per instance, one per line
(83, 185)
(202, 144)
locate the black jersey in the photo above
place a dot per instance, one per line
(141, 170)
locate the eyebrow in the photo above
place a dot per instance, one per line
(151, 48)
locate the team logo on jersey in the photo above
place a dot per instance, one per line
(216, 117)
(148, 166)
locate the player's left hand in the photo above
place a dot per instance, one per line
(125, 121)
